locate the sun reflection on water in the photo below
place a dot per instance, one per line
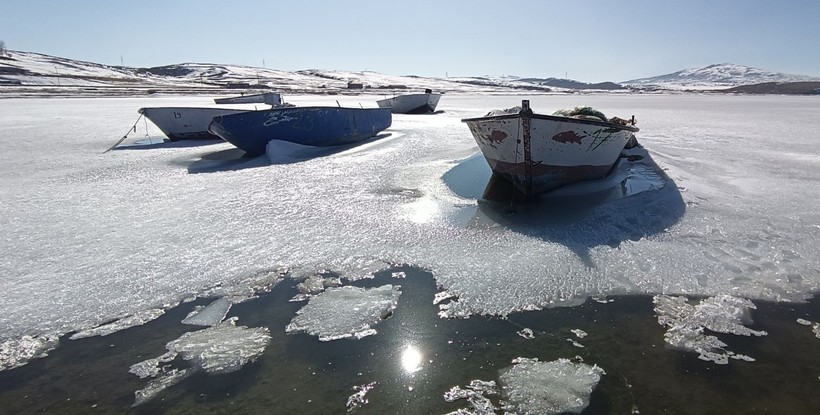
(411, 359)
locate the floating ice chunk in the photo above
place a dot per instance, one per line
(526, 333)
(345, 312)
(358, 399)
(18, 352)
(151, 367)
(533, 387)
(210, 315)
(159, 384)
(314, 285)
(477, 394)
(399, 275)
(686, 324)
(815, 327)
(223, 348)
(137, 319)
(580, 333)
(575, 343)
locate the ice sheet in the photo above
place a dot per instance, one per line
(477, 394)
(720, 314)
(89, 237)
(345, 312)
(560, 386)
(210, 315)
(223, 348)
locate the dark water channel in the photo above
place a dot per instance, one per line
(298, 374)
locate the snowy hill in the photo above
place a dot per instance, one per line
(39, 73)
(30, 73)
(724, 75)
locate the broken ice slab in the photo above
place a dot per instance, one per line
(345, 312)
(549, 388)
(211, 315)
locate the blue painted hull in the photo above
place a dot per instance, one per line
(313, 126)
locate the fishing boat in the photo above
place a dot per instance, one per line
(411, 103)
(185, 123)
(537, 153)
(313, 126)
(271, 98)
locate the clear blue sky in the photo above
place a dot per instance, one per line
(591, 41)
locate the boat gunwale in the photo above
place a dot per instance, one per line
(409, 95)
(631, 128)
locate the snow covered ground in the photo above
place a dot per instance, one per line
(88, 237)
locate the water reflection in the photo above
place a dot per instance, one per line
(411, 359)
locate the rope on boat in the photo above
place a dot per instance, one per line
(133, 128)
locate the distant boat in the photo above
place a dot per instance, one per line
(538, 152)
(184, 123)
(313, 126)
(411, 103)
(271, 98)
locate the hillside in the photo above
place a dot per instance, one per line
(36, 74)
(725, 75)
(788, 88)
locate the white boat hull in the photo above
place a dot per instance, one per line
(411, 103)
(185, 123)
(561, 150)
(271, 98)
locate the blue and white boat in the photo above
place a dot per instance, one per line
(313, 126)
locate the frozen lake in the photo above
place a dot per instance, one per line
(90, 237)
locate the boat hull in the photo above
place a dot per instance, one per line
(411, 103)
(562, 150)
(271, 98)
(312, 126)
(185, 123)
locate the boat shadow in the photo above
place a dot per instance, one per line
(151, 143)
(278, 152)
(636, 200)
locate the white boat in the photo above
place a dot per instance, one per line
(411, 103)
(183, 123)
(538, 152)
(271, 98)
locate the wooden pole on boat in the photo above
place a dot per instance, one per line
(525, 114)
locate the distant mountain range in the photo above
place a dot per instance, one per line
(724, 75)
(30, 73)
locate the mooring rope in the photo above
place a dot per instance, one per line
(133, 128)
